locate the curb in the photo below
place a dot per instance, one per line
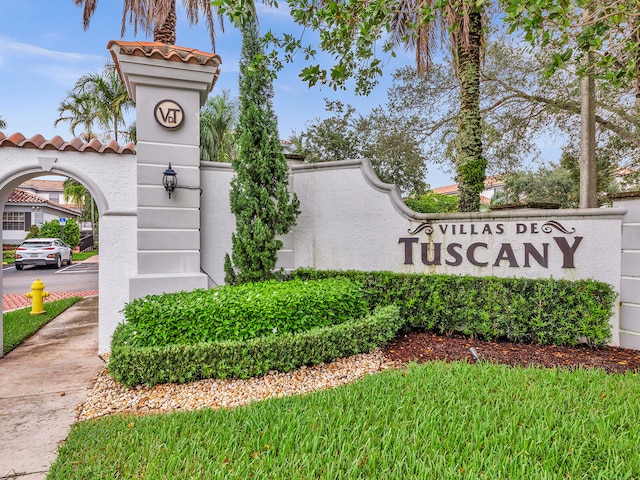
(17, 301)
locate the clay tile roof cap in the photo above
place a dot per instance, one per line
(58, 143)
(166, 52)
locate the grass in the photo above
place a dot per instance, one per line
(436, 421)
(8, 256)
(80, 256)
(19, 325)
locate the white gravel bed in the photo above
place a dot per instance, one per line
(110, 397)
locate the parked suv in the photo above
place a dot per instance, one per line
(43, 251)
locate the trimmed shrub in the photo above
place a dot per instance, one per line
(34, 232)
(242, 312)
(544, 311)
(70, 233)
(246, 331)
(432, 202)
(132, 365)
(8, 255)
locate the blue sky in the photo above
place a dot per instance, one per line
(45, 50)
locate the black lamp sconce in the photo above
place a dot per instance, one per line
(169, 180)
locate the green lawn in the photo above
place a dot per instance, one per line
(18, 325)
(8, 256)
(437, 421)
(79, 256)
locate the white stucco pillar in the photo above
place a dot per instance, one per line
(169, 85)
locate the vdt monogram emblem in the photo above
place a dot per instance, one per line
(168, 114)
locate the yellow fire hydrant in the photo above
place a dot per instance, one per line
(37, 294)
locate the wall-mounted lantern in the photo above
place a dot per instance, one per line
(169, 180)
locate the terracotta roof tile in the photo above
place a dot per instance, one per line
(14, 138)
(73, 144)
(57, 143)
(23, 197)
(166, 52)
(33, 142)
(447, 190)
(453, 189)
(54, 143)
(20, 196)
(48, 185)
(94, 145)
(111, 147)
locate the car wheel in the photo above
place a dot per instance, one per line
(70, 260)
(19, 267)
(58, 261)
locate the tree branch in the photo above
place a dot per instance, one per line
(571, 108)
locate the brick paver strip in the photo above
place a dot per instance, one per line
(14, 301)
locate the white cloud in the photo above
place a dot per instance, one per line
(14, 49)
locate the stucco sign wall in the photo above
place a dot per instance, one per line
(351, 220)
(527, 244)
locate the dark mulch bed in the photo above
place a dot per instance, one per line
(423, 347)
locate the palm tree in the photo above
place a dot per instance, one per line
(79, 109)
(3, 124)
(156, 16)
(218, 119)
(111, 97)
(75, 192)
(463, 20)
(97, 100)
(78, 194)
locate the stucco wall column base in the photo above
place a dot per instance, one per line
(630, 340)
(157, 284)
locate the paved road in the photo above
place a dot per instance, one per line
(77, 276)
(78, 279)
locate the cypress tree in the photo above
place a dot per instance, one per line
(259, 196)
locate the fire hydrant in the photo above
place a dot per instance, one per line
(37, 294)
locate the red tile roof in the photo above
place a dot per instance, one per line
(453, 189)
(19, 196)
(447, 190)
(58, 143)
(44, 185)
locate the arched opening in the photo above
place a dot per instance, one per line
(110, 178)
(36, 201)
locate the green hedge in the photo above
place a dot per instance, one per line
(242, 312)
(133, 365)
(544, 311)
(8, 255)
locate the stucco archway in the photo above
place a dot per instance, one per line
(110, 176)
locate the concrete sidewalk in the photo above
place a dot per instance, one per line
(41, 383)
